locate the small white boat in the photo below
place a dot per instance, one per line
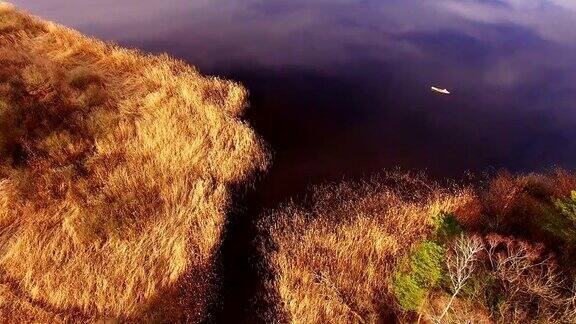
(442, 91)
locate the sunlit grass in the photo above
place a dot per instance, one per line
(334, 262)
(114, 177)
(402, 248)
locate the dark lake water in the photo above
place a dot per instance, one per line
(341, 88)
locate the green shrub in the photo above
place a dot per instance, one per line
(568, 207)
(423, 268)
(426, 263)
(447, 227)
(417, 274)
(408, 292)
(560, 220)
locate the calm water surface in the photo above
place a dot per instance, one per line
(340, 88)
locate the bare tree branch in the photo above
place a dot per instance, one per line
(461, 263)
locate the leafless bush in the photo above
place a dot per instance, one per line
(530, 278)
(524, 275)
(461, 263)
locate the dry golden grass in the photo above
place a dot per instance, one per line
(333, 260)
(115, 176)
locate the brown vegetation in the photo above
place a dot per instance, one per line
(406, 250)
(334, 260)
(115, 175)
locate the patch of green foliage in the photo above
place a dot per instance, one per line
(560, 220)
(418, 273)
(408, 292)
(447, 227)
(422, 269)
(426, 263)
